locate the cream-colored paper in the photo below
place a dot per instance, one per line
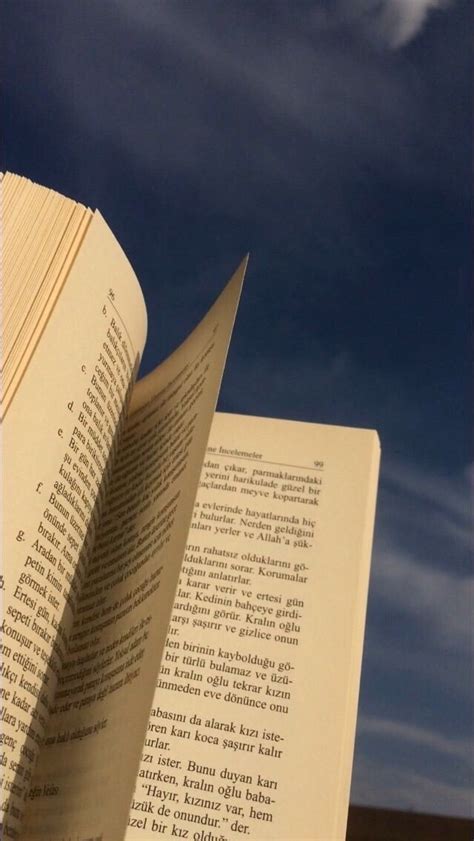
(56, 438)
(87, 768)
(252, 725)
(41, 234)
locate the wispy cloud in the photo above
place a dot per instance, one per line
(381, 783)
(449, 498)
(393, 23)
(281, 79)
(436, 601)
(402, 20)
(419, 642)
(460, 749)
(425, 528)
(226, 95)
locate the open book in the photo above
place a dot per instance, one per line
(172, 666)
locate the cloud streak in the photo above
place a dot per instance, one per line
(392, 23)
(462, 749)
(435, 600)
(383, 784)
(196, 87)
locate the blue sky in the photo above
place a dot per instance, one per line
(332, 140)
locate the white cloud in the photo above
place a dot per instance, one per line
(437, 601)
(401, 20)
(392, 23)
(242, 107)
(459, 749)
(421, 628)
(419, 512)
(382, 784)
(438, 508)
(448, 494)
(212, 100)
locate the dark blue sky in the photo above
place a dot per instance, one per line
(332, 140)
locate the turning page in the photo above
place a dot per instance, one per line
(252, 725)
(88, 765)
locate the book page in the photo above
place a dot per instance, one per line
(57, 444)
(42, 233)
(88, 765)
(252, 725)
